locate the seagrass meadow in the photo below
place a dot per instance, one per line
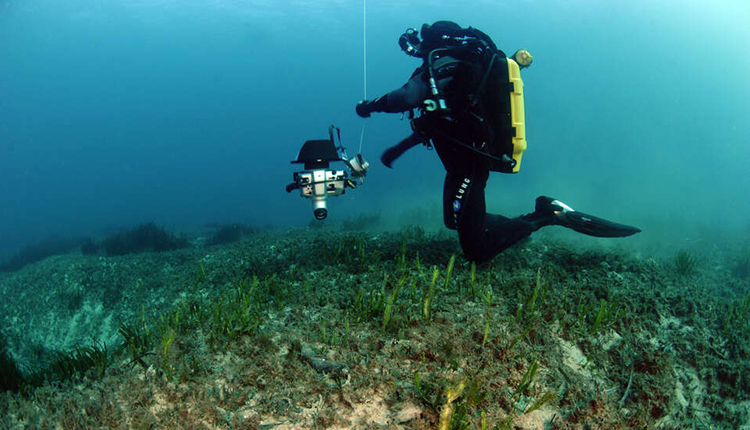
(326, 328)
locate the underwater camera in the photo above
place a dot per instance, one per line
(318, 181)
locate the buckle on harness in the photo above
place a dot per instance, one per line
(431, 105)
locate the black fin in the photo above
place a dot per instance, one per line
(595, 226)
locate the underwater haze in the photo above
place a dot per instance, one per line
(189, 112)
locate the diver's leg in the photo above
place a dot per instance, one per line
(455, 165)
(452, 182)
(483, 235)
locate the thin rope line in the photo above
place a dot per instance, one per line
(361, 137)
(364, 45)
(364, 66)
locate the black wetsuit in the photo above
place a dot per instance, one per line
(482, 235)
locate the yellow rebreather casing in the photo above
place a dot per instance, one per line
(517, 114)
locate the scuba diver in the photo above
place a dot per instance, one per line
(469, 102)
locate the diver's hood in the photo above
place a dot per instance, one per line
(435, 35)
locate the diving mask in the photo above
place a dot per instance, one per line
(409, 42)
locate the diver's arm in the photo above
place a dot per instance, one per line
(410, 96)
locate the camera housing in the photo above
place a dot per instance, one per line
(317, 181)
(318, 185)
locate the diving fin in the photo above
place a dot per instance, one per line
(391, 154)
(581, 222)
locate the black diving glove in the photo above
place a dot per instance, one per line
(391, 154)
(363, 109)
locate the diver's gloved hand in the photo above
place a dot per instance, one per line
(391, 154)
(364, 109)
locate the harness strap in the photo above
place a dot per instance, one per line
(505, 159)
(486, 75)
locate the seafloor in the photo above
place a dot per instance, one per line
(331, 329)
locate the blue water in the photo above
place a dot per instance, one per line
(187, 112)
